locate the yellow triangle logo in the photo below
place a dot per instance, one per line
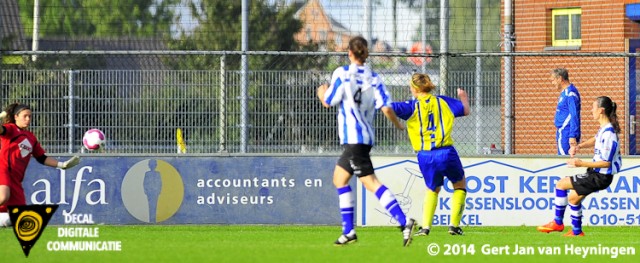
(28, 223)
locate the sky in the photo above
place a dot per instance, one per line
(350, 14)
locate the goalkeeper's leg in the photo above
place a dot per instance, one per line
(4, 198)
(5, 192)
(5, 221)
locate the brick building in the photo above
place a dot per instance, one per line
(322, 29)
(581, 26)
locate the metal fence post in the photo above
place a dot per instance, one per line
(478, 81)
(444, 45)
(223, 106)
(423, 37)
(244, 83)
(71, 123)
(508, 81)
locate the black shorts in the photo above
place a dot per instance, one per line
(590, 182)
(356, 160)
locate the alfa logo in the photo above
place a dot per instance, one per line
(152, 191)
(29, 222)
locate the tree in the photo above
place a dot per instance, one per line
(272, 27)
(82, 19)
(100, 18)
(462, 28)
(462, 23)
(70, 20)
(220, 28)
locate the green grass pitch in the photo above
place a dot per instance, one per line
(224, 243)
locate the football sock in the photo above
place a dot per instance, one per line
(389, 202)
(576, 218)
(561, 205)
(457, 206)
(345, 195)
(429, 208)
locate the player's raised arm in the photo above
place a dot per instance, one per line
(464, 98)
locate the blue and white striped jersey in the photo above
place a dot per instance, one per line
(607, 149)
(359, 92)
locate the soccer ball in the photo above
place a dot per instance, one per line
(93, 139)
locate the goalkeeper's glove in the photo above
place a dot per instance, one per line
(3, 114)
(75, 160)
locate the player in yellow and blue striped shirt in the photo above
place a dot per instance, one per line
(430, 123)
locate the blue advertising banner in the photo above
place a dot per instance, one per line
(511, 191)
(188, 190)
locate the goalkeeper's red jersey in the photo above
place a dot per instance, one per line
(16, 148)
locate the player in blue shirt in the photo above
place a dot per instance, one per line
(359, 92)
(430, 124)
(567, 120)
(606, 162)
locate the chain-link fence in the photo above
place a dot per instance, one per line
(140, 99)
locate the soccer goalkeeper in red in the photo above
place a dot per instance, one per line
(17, 145)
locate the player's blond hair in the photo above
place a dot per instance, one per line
(421, 83)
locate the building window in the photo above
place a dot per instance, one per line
(566, 27)
(323, 35)
(309, 39)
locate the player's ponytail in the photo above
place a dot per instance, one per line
(610, 108)
(613, 117)
(359, 47)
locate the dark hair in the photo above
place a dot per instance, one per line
(610, 110)
(562, 72)
(360, 48)
(14, 109)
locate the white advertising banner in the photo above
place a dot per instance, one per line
(502, 192)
